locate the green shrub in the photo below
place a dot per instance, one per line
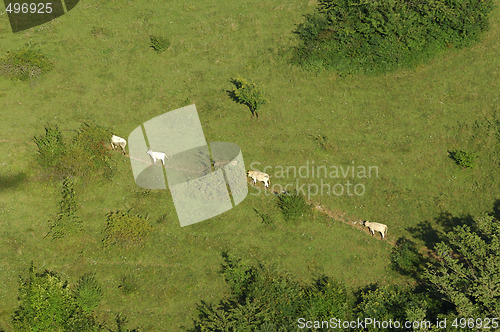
(125, 228)
(66, 222)
(25, 64)
(51, 148)
(248, 94)
(373, 36)
(47, 304)
(405, 257)
(88, 293)
(463, 158)
(292, 205)
(158, 43)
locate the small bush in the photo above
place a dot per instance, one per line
(405, 257)
(88, 293)
(463, 158)
(248, 94)
(159, 44)
(86, 155)
(51, 148)
(292, 205)
(125, 228)
(377, 36)
(25, 64)
(128, 285)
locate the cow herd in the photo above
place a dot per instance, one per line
(254, 175)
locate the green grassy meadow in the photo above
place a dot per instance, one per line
(402, 122)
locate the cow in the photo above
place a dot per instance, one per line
(157, 155)
(376, 227)
(259, 176)
(118, 142)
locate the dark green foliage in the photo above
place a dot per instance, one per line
(292, 205)
(128, 284)
(264, 299)
(51, 148)
(248, 94)
(88, 293)
(405, 257)
(125, 228)
(467, 269)
(66, 222)
(325, 298)
(47, 304)
(372, 36)
(463, 158)
(25, 64)
(394, 303)
(158, 43)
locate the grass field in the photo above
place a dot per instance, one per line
(402, 122)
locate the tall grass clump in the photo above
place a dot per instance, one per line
(25, 64)
(292, 205)
(374, 36)
(51, 147)
(88, 292)
(66, 221)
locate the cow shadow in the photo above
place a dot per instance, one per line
(11, 181)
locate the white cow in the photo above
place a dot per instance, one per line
(259, 176)
(376, 227)
(157, 155)
(118, 142)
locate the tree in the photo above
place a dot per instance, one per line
(248, 94)
(46, 304)
(264, 299)
(467, 270)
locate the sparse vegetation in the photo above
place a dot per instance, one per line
(25, 64)
(125, 228)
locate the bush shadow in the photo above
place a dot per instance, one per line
(11, 181)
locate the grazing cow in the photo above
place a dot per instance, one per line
(157, 155)
(118, 142)
(259, 176)
(376, 227)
